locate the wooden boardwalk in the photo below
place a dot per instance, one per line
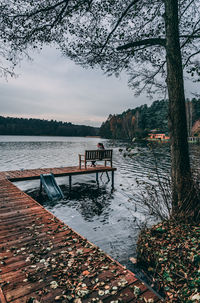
(31, 174)
(44, 260)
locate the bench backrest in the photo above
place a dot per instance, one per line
(98, 154)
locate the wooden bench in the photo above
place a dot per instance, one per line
(96, 155)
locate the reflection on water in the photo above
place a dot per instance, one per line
(96, 213)
(108, 219)
(88, 199)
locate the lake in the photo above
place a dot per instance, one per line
(111, 220)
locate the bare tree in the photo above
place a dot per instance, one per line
(7, 61)
(150, 40)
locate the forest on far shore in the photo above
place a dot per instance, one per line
(38, 127)
(140, 121)
(136, 122)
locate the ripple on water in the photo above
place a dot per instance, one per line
(109, 219)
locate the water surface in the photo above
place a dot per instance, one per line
(109, 219)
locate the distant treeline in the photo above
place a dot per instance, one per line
(138, 122)
(38, 127)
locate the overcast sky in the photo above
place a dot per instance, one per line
(53, 87)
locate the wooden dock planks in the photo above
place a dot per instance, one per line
(31, 174)
(43, 259)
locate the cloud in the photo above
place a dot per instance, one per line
(53, 87)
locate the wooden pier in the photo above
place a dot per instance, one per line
(42, 260)
(32, 174)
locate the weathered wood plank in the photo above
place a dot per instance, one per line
(43, 258)
(58, 172)
(2, 298)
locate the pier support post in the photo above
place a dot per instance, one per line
(70, 182)
(97, 179)
(112, 185)
(40, 187)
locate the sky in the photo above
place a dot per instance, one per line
(53, 87)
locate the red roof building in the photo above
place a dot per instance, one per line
(160, 137)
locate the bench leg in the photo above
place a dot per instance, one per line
(97, 179)
(79, 161)
(112, 185)
(108, 176)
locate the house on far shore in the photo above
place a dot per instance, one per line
(157, 137)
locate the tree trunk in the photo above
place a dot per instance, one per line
(182, 187)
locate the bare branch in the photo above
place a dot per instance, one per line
(154, 16)
(192, 55)
(118, 23)
(186, 8)
(190, 36)
(195, 31)
(60, 15)
(149, 79)
(45, 9)
(147, 42)
(6, 72)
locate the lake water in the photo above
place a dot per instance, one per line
(109, 219)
